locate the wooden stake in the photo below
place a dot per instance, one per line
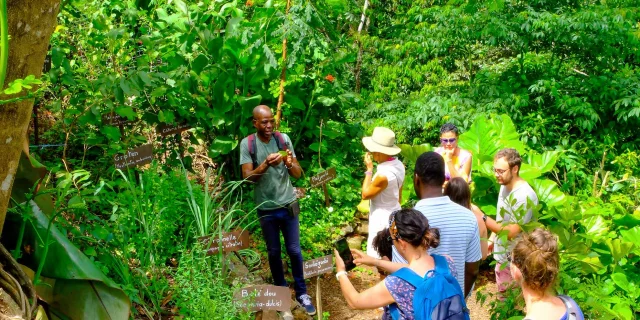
(282, 73)
(327, 202)
(319, 297)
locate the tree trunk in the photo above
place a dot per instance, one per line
(31, 23)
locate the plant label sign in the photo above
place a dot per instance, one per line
(170, 129)
(114, 119)
(134, 157)
(317, 266)
(323, 177)
(263, 297)
(231, 241)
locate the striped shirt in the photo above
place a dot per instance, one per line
(459, 235)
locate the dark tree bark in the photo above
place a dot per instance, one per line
(31, 23)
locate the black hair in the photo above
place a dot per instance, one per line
(430, 169)
(459, 192)
(413, 227)
(382, 243)
(449, 127)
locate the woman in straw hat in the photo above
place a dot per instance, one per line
(384, 188)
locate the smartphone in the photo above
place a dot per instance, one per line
(345, 253)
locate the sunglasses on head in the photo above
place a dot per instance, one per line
(447, 141)
(393, 229)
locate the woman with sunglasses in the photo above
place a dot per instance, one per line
(409, 231)
(457, 160)
(534, 266)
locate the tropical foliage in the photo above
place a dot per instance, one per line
(557, 80)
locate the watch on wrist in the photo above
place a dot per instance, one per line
(484, 218)
(339, 274)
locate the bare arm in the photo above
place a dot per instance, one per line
(295, 170)
(463, 172)
(482, 228)
(386, 265)
(496, 227)
(371, 188)
(471, 270)
(251, 174)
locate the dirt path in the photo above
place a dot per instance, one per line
(365, 277)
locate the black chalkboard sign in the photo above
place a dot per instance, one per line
(169, 129)
(134, 157)
(323, 177)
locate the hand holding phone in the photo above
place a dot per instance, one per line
(345, 253)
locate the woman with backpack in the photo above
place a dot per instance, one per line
(425, 287)
(534, 266)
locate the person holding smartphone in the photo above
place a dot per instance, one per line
(410, 232)
(384, 187)
(268, 159)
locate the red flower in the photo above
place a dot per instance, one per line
(330, 78)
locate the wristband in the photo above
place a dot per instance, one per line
(484, 218)
(288, 168)
(339, 274)
(368, 173)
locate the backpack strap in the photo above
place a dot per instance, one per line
(442, 267)
(407, 275)
(282, 145)
(572, 307)
(251, 143)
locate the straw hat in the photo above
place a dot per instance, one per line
(382, 140)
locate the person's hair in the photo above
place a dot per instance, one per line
(459, 192)
(511, 155)
(382, 243)
(449, 127)
(430, 169)
(413, 227)
(536, 255)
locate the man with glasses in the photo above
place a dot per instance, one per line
(263, 161)
(515, 208)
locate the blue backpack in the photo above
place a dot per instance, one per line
(436, 298)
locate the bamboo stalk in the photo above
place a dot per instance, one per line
(282, 74)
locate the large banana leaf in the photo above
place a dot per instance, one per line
(79, 290)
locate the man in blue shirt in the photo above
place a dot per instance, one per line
(459, 235)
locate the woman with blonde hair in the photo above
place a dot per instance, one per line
(535, 264)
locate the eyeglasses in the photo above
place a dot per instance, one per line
(500, 171)
(448, 141)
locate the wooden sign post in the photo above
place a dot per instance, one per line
(168, 129)
(321, 179)
(316, 268)
(230, 241)
(263, 297)
(134, 157)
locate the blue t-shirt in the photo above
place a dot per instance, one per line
(459, 235)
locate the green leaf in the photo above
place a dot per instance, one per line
(543, 162)
(411, 153)
(548, 192)
(222, 145)
(113, 133)
(632, 235)
(249, 103)
(481, 140)
(595, 227)
(78, 289)
(126, 112)
(619, 248)
(199, 63)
